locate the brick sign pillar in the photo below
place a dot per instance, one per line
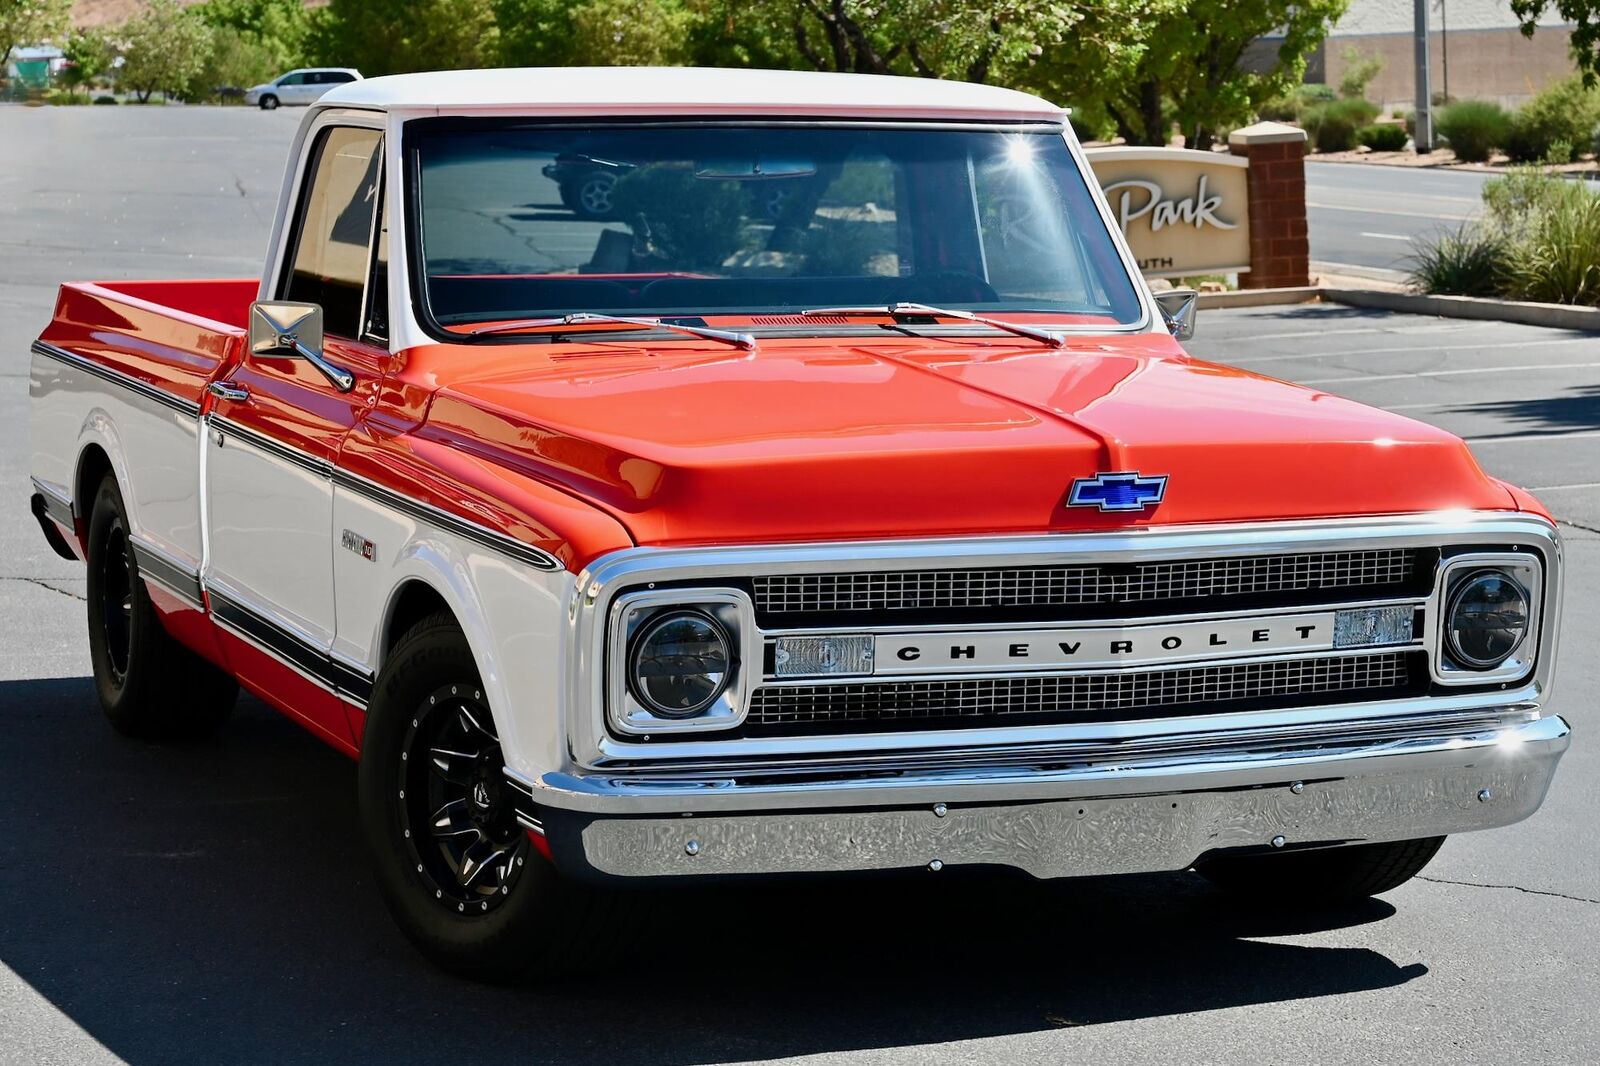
(1280, 250)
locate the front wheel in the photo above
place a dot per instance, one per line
(1324, 875)
(459, 875)
(269, 102)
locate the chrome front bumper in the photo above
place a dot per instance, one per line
(1141, 814)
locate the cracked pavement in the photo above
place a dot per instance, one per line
(214, 905)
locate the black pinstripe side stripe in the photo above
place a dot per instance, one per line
(180, 581)
(117, 377)
(289, 649)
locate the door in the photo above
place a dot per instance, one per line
(296, 89)
(277, 423)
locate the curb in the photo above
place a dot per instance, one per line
(1259, 297)
(1554, 316)
(1550, 316)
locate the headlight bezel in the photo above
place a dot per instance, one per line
(729, 609)
(1526, 569)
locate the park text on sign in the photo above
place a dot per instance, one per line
(1183, 212)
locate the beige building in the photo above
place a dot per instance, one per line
(1475, 46)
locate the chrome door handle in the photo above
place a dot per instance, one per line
(223, 391)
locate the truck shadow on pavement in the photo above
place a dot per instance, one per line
(211, 903)
(1577, 408)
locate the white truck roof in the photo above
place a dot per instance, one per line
(687, 91)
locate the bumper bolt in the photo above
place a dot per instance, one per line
(691, 848)
(1279, 841)
(940, 810)
(936, 865)
(1484, 795)
(1298, 787)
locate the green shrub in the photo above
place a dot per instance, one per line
(105, 99)
(1555, 125)
(1470, 261)
(1474, 128)
(1293, 106)
(1557, 259)
(1332, 127)
(1512, 202)
(1386, 137)
(693, 222)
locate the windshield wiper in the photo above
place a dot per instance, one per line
(903, 310)
(579, 318)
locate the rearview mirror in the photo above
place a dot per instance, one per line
(754, 169)
(1178, 307)
(283, 329)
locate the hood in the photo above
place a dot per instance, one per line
(807, 440)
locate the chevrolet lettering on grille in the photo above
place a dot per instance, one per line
(1098, 646)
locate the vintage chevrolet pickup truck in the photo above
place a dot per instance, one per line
(663, 474)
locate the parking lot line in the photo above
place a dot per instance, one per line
(1414, 350)
(1448, 373)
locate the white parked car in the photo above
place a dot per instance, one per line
(303, 86)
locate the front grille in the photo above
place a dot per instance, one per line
(1376, 572)
(1070, 697)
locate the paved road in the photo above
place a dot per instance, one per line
(1367, 215)
(210, 903)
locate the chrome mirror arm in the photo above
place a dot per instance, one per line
(337, 376)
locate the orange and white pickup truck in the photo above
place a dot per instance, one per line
(662, 474)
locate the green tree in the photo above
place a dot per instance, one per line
(1584, 15)
(628, 33)
(89, 56)
(536, 33)
(25, 22)
(1190, 71)
(273, 32)
(163, 50)
(394, 36)
(967, 40)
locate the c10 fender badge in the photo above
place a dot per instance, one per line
(1126, 490)
(355, 542)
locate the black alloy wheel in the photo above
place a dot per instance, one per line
(456, 814)
(115, 600)
(459, 874)
(150, 686)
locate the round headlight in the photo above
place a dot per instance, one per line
(1487, 619)
(680, 663)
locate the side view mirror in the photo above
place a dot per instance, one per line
(281, 329)
(1178, 307)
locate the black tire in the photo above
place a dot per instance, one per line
(497, 926)
(269, 102)
(149, 685)
(1322, 876)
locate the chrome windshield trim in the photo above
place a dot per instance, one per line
(590, 746)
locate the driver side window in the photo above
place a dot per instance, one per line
(333, 230)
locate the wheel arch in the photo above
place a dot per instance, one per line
(94, 463)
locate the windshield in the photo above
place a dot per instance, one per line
(694, 221)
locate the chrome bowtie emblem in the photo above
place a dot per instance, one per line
(1122, 491)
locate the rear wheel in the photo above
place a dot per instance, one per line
(1322, 876)
(458, 873)
(149, 685)
(593, 195)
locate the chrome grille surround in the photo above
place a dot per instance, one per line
(1050, 586)
(592, 748)
(1102, 696)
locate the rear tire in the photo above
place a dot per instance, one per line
(1323, 876)
(149, 685)
(461, 878)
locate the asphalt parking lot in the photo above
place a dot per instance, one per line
(211, 904)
